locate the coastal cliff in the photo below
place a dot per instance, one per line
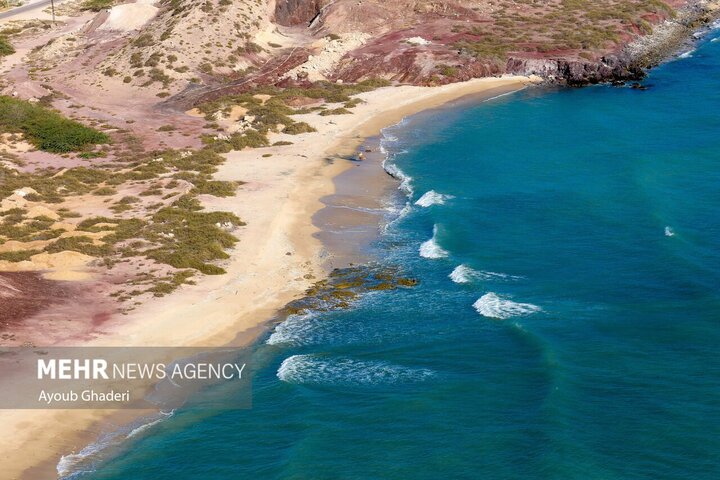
(573, 43)
(296, 12)
(634, 59)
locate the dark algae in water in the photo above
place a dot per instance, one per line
(344, 285)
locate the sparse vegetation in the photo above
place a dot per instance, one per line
(96, 5)
(46, 129)
(6, 47)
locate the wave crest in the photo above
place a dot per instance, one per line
(432, 198)
(85, 461)
(404, 179)
(431, 248)
(492, 306)
(464, 274)
(312, 369)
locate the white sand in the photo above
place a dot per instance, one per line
(130, 16)
(281, 195)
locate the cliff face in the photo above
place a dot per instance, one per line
(634, 58)
(608, 69)
(443, 41)
(296, 12)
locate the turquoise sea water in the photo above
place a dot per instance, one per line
(579, 339)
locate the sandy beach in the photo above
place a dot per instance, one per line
(277, 258)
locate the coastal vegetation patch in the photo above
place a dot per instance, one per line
(46, 129)
(270, 109)
(6, 47)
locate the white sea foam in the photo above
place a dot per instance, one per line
(293, 329)
(313, 369)
(398, 214)
(503, 95)
(84, 461)
(462, 274)
(69, 464)
(465, 274)
(669, 232)
(433, 198)
(162, 416)
(431, 248)
(404, 179)
(687, 54)
(492, 306)
(715, 39)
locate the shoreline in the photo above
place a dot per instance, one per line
(278, 257)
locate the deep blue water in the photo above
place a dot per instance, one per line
(588, 224)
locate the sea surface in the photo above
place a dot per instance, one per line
(566, 324)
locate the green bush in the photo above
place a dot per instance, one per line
(18, 256)
(96, 5)
(5, 47)
(196, 238)
(46, 129)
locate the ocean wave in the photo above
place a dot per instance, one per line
(74, 465)
(397, 214)
(687, 54)
(431, 248)
(433, 198)
(162, 416)
(464, 274)
(492, 306)
(316, 370)
(404, 179)
(502, 95)
(669, 232)
(293, 329)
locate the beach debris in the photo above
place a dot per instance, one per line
(225, 225)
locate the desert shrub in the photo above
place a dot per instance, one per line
(191, 238)
(18, 256)
(217, 188)
(335, 111)
(96, 5)
(5, 47)
(80, 244)
(299, 127)
(45, 128)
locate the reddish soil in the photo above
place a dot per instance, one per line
(44, 312)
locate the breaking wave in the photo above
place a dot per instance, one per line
(404, 179)
(316, 370)
(464, 274)
(293, 330)
(74, 465)
(397, 214)
(687, 54)
(433, 198)
(492, 306)
(669, 232)
(431, 248)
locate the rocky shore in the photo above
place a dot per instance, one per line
(633, 61)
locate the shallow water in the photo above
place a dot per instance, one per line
(558, 331)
